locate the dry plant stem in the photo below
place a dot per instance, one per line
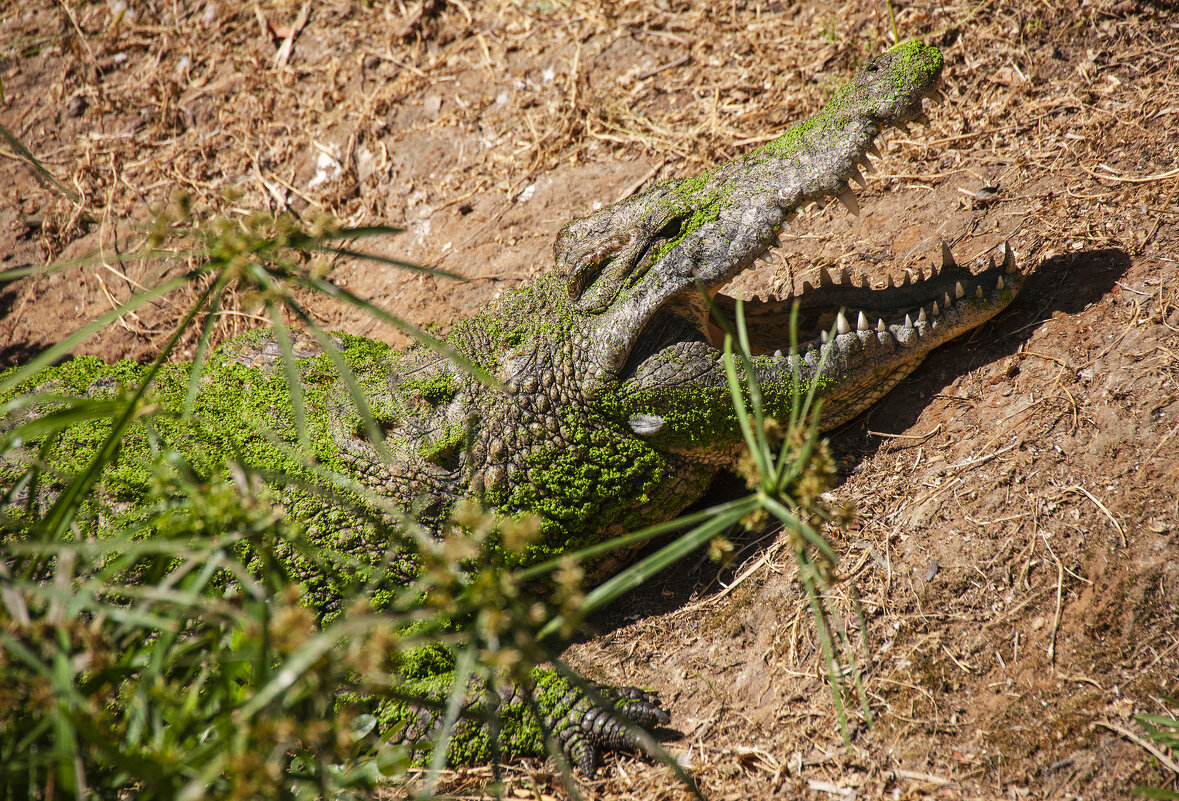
(1155, 751)
(1117, 526)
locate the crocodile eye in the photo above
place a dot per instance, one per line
(583, 275)
(667, 233)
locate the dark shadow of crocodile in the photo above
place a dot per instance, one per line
(1064, 284)
(13, 353)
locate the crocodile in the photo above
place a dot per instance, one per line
(612, 410)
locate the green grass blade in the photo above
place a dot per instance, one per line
(67, 505)
(391, 262)
(637, 574)
(614, 543)
(299, 662)
(431, 342)
(463, 667)
(197, 369)
(740, 409)
(52, 354)
(791, 520)
(759, 428)
(78, 410)
(361, 232)
(42, 173)
(294, 382)
(810, 579)
(376, 437)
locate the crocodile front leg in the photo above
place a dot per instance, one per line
(584, 724)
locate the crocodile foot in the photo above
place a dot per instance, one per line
(585, 728)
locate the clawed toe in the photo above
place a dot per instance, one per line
(591, 728)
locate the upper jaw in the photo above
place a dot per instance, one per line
(628, 263)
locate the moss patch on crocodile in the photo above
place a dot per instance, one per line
(601, 481)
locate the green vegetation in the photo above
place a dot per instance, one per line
(236, 617)
(1164, 731)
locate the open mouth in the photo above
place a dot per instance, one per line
(905, 311)
(837, 317)
(858, 341)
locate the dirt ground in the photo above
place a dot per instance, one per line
(1016, 552)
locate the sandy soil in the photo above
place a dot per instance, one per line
(1016, 549)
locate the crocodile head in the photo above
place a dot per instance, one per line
(616, 410)
(646, 269)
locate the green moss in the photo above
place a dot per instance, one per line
(443, 450)
(241, 415)
(919, 63)
(913, 63)
(600, 478)
(437, 389)
(514, 339)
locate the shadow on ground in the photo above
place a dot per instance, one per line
(1064, 284)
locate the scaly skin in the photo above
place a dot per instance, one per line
(615, 412)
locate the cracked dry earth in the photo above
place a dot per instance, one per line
(1016, 547)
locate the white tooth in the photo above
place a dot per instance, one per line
(858, 178)
(866, 163)
(1009, 257)
(765, 256)
(880, 326)
(841, 324)
(861, 322)
(1000, 283)
(874, 150)
(947, 256)
(946, 302)
(908, 321)
(959, 292)
(778, 354)
(921, 318)
(823, 337)
(848, 199)
(935, 309)
(978, 293)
